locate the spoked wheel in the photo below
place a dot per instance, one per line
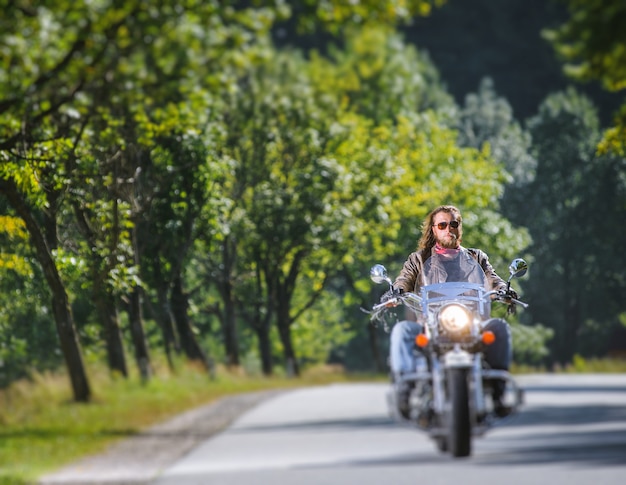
(460, 432)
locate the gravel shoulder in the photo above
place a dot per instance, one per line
(141, 458)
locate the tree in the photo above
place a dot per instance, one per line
(335, 15)
(574, 281)
(381, 76)
(591, 45)
(486, 121)
(181, 171)
(44, 243)
(25, 336)
(66, 61)
(277, 141)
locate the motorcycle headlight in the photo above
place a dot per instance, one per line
(455, 320)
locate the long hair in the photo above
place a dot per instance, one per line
(427, 241)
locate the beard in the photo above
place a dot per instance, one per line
(448, 242)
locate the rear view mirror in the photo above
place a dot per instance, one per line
(518, 268)
(378, 274)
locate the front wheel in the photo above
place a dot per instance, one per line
(459, 432)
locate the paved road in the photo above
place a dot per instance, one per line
(572, 430)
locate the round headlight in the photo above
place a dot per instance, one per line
(455, 319)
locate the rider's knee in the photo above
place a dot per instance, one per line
(498, 326)
(406, 329)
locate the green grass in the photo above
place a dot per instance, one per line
(579, 365)
(41, 429)
(596, 365)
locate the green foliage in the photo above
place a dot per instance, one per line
(487, 120)
(595, 365)
(27, 338)
(576, 275)
(380, 76)
(336, 14)
(174, 142)
(591, 43)
(94, 87)
(323, 328)
(530, 343)
(13, 235)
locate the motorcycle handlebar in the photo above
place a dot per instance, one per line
(503, 297)
(391, 302)
(395, 300)
(519, 302)
(401, 298)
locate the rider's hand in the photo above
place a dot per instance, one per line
(390, 294)
(507, 295)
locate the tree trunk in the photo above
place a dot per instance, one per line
(104, 300)
(373, 339)
(135, 318)
(68, 337)
(291, 363)
(260, 321)
(229, 317)
(229, 327)
(107, 311)
(69, 342)
(162, 313)
(265, 349)
(189, 343)
(284, 321)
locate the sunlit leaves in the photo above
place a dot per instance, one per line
(380, 76)
(614, 140)
(334, 14)
(13, 236)
(324, 328)
(592, 44)
(174, 125)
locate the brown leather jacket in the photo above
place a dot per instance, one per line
(410, 277)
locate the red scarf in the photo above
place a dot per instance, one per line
(447, 251)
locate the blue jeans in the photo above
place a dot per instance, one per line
(402, 344)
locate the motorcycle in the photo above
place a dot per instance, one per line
(450, 397)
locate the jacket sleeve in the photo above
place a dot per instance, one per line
(409, 274)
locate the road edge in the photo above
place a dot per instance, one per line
(139, 459)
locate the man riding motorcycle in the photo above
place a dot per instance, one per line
(442, 234)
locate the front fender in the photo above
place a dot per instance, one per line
(457, 358)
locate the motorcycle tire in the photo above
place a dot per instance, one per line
(460, 431)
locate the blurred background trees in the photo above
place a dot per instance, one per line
(213, 181)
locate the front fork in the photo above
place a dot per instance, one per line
(476, 388)
(458, 358)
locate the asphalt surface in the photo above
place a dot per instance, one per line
(571, 430)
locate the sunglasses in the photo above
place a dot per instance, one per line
(442, 225)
